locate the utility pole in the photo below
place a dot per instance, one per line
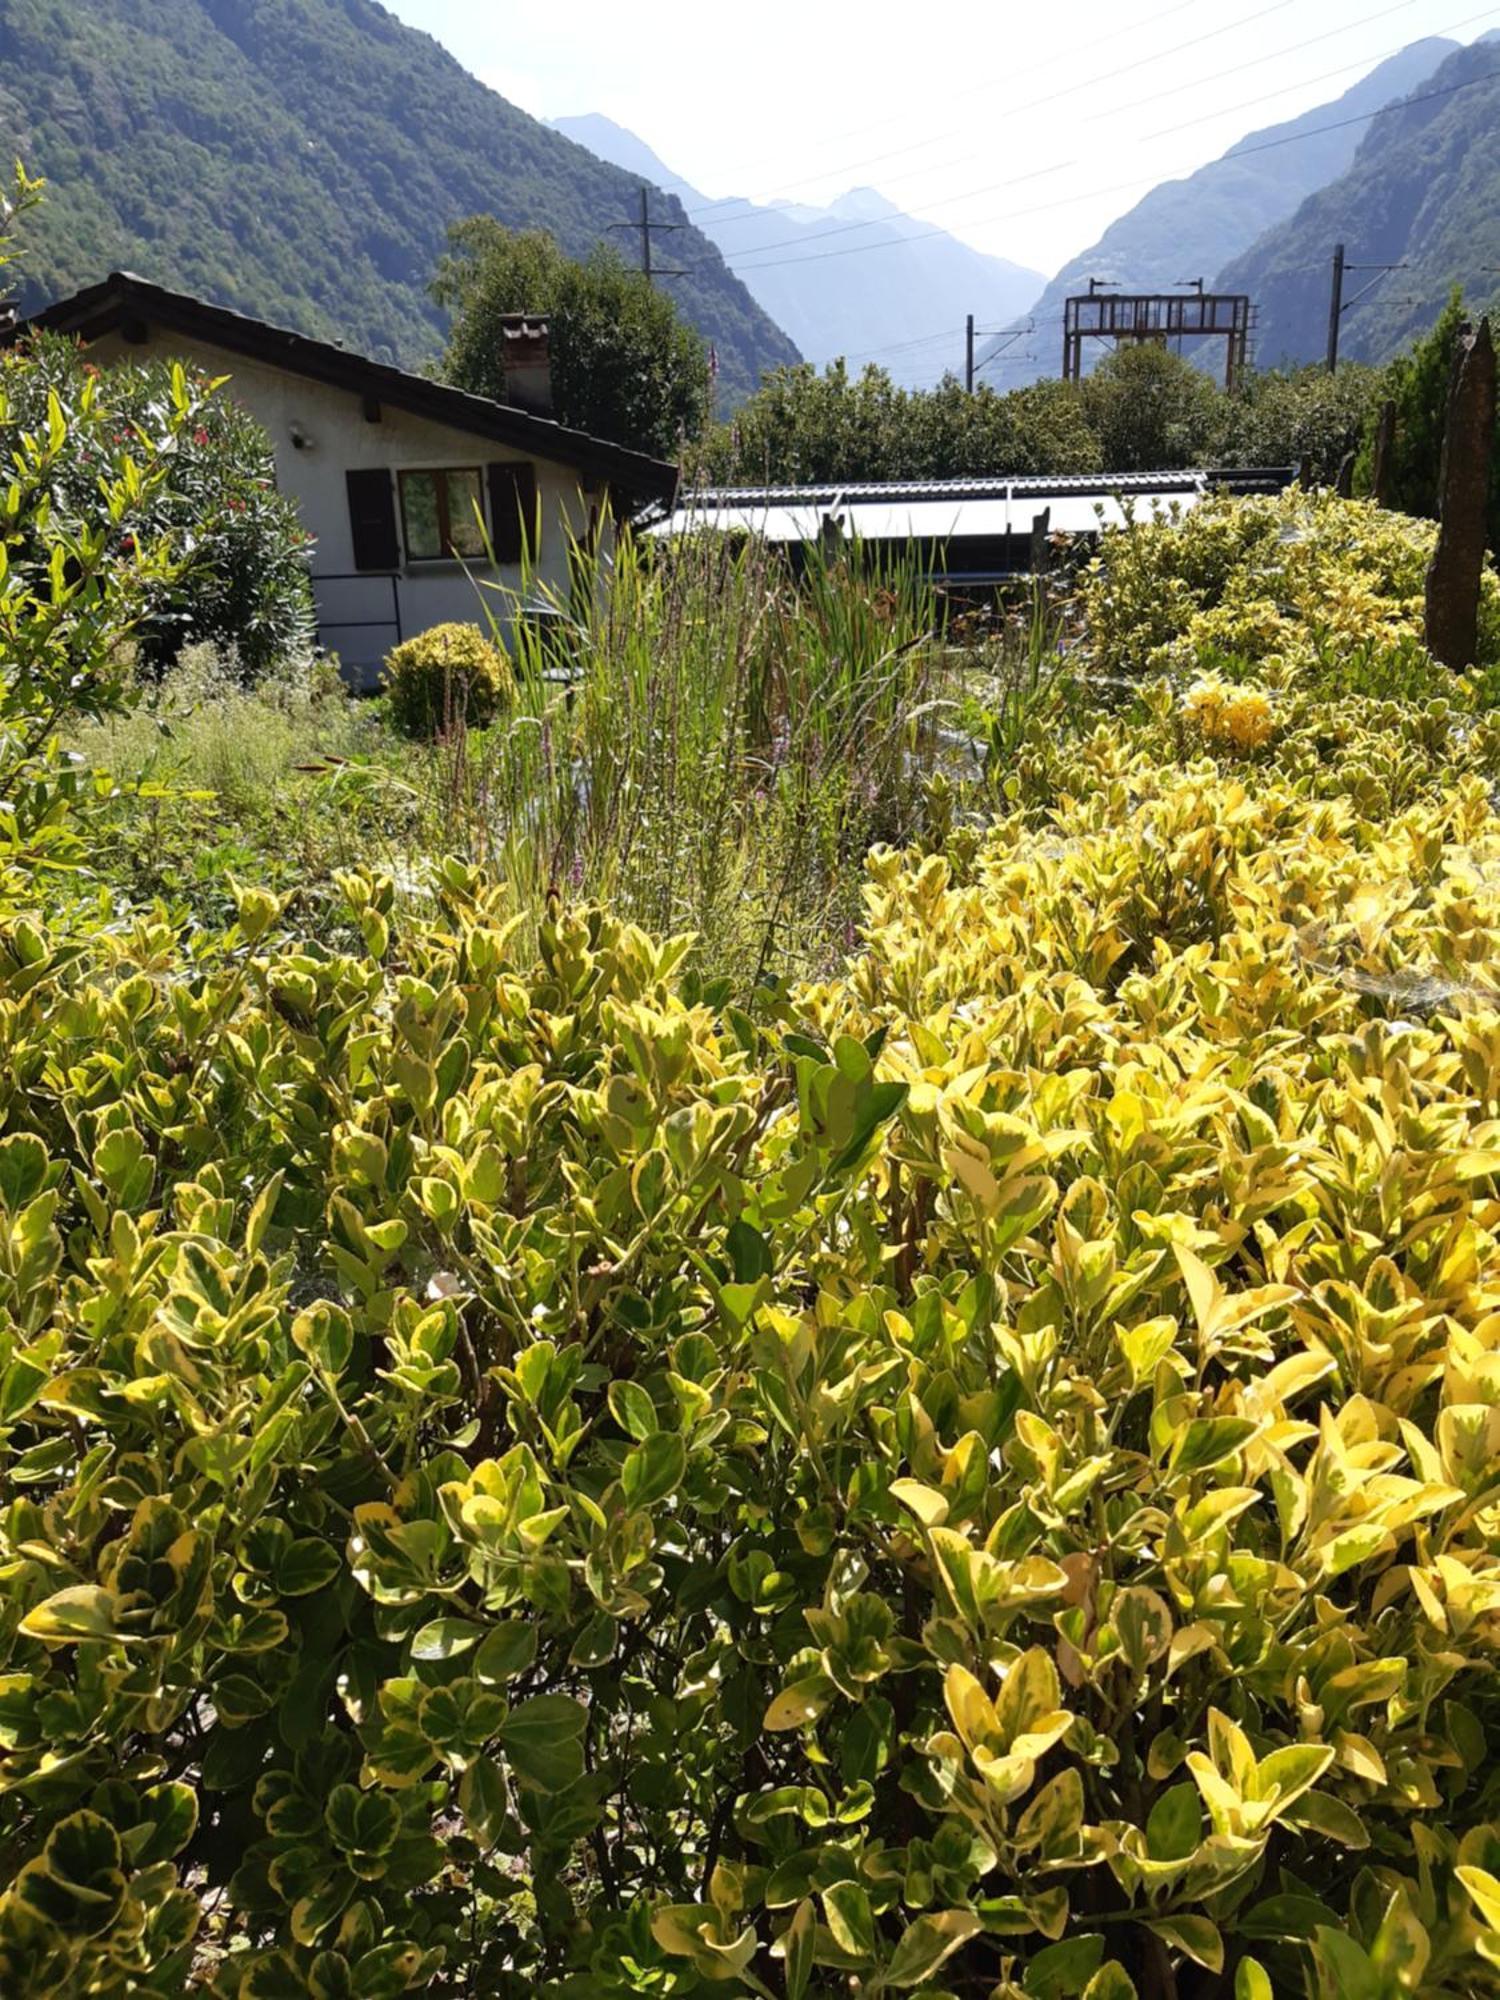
(1335, 307)
(1338, 305)
(969, 355)
(645, 227)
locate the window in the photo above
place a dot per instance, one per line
(441, 514)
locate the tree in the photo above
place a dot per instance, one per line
(624, 365)
(1152, 411)
(1288, 416)
(241, 578)
(84, 562)
(805, 427)
(1417, 383)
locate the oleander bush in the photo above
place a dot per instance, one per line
(1295, 585)
(974, 1477)
(448, 677)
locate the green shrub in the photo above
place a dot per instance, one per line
(241, 580)
(520, 1481)
(447, 676)
(1298, 585)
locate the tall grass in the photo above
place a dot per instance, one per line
(699, 738)
(706, 743)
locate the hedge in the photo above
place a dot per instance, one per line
(977, 1478)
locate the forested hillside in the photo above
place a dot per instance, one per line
(1189, 228)
(1422, 193)
(302, 160)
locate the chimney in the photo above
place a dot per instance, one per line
(526, 359)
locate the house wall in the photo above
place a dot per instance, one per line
(362, 616)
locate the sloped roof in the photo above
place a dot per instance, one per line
(944, 510)
(123, 297)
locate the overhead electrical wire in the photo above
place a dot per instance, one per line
(1342, 69)
(1052, 97)
(1120, 187)
(1132, 28)
(973, 194)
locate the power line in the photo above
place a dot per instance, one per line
(1035, 103)
(1119, 187)
(1167, 131)
(1236, 69)
(1132, 29)
(946, 201)
(650, 270)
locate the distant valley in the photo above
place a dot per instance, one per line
(881, 304)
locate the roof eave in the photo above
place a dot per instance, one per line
(101, 308)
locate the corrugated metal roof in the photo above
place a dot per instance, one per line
(945, 510)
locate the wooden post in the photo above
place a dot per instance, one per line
(1343, 484)
(1382, 466)
(1458, 560)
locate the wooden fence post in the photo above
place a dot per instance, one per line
(1458, 560)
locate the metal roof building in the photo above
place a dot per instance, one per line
(968, 531)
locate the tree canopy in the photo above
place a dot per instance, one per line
(625, 366)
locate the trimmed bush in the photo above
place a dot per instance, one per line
(446, 677)
(523, 1479)
(1287, 586)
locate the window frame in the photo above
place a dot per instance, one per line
(440, 476)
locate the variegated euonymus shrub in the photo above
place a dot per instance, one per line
(983, 1479)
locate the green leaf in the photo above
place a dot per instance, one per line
(633, 1410)
(83, 1611)
(1209, 1441)
(483, 1801)
(542, 1740)
(308, 1565)
(1175, 1825)
(506, 1651)
(1251, 1981)
(1196, 1937)
(1064, 1969)
(749, 1253)
(447, 1638)
(1111, 1982)
(796, 1948)
(653, 1469)
(850, 1920)
(925, 1944)
(1321, 1812)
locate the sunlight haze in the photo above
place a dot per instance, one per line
(1022, 131)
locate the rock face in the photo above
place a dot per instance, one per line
(1191, 228)
(1458, 560)
(1422, 193)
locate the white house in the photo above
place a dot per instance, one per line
(388, 468)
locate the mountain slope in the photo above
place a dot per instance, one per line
(1191, 228)
(1423, 191)
(301, 160)
(873, 305)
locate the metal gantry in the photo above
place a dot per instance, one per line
(1132, 318)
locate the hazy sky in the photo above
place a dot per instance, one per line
(1022, 127)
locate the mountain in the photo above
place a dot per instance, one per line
(1191, 228)
(1422, 191)
(880, 305)
(301, 160)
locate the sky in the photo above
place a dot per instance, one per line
(1022, 128)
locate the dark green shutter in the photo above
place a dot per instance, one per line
(372, 519)
(514, 523)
